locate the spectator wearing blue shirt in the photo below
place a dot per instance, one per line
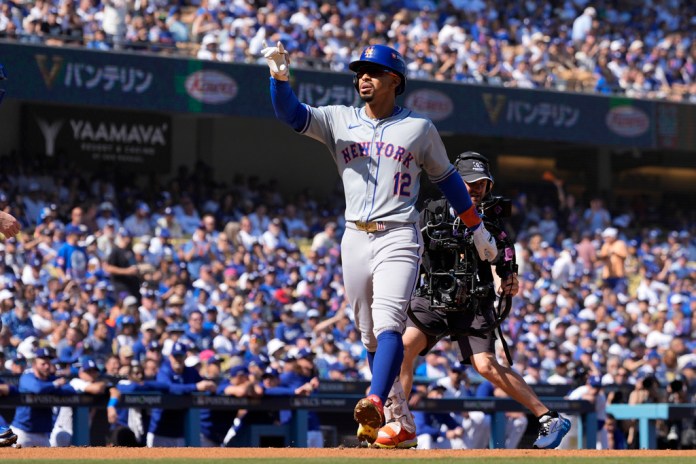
(195, 331)
(33, 425)
(289, 330)
(147, 336)
(19, 322)
(70, 348)
(100, 342)
(438, 430)
(72, 258)
(167, 426)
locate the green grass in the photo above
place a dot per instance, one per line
(385, 457)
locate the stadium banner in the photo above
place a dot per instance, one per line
(167, 84)
(98, 137)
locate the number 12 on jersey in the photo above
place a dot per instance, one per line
(402, 182)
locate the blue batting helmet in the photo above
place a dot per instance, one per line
(384, 56)
(3, 76)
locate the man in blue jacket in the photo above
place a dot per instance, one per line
(167, 425)
(33, 425)
(438, 429)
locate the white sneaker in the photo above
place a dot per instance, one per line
(551, 431)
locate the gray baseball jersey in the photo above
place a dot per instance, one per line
(380, 161)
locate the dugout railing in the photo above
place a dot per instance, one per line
(296, 431)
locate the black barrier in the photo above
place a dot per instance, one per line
(496, 407)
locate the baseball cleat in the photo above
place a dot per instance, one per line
(369, 414)
(394, 435)
(551, 431)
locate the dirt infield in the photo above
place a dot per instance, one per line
(140, 454)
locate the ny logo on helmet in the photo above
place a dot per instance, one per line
(369, 52)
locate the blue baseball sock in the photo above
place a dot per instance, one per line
(387, 363)
(371, 359)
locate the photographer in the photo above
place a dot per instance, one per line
(464, 308)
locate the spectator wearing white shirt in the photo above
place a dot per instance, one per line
(274, 237)
(583, 24)
(246, 233)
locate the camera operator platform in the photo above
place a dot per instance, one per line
(457, 299)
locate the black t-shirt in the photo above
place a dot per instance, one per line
(123, 258)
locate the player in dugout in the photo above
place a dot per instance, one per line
(438, 310)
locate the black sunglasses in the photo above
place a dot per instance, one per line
(373, 71)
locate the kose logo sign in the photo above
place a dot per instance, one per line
(211, 87)
(432, 103)
(627, 121)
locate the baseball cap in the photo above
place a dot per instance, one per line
(458, 367)
(175, 300)
(274, 345)
(595, 381)
(130, 300)
(239, 369)
(154, 346)
(43, 353)
(126, 350)
(435, 386)
(149, 325)
(304, 353)
(71, 229)
(127, 320)
(473, 167)
(270, 372)
(192, 361)
(312, 313)
(175, 327)
(178, 349)
(87, 364)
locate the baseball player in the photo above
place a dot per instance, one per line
(33, 425)
(380, 151)
(167, 425)
(427, 326)
(85, 382)
(7, 436)
(9, 226)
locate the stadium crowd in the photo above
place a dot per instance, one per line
(244, 289)
(636, 48)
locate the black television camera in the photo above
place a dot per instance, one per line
(451, 261)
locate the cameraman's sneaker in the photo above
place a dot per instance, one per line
(369, 414)
(551, 431)
(7, 436)
(395, 435)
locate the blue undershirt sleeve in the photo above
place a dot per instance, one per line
(455, 191)
(286, 105)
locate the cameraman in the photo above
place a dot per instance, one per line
(427, 325)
